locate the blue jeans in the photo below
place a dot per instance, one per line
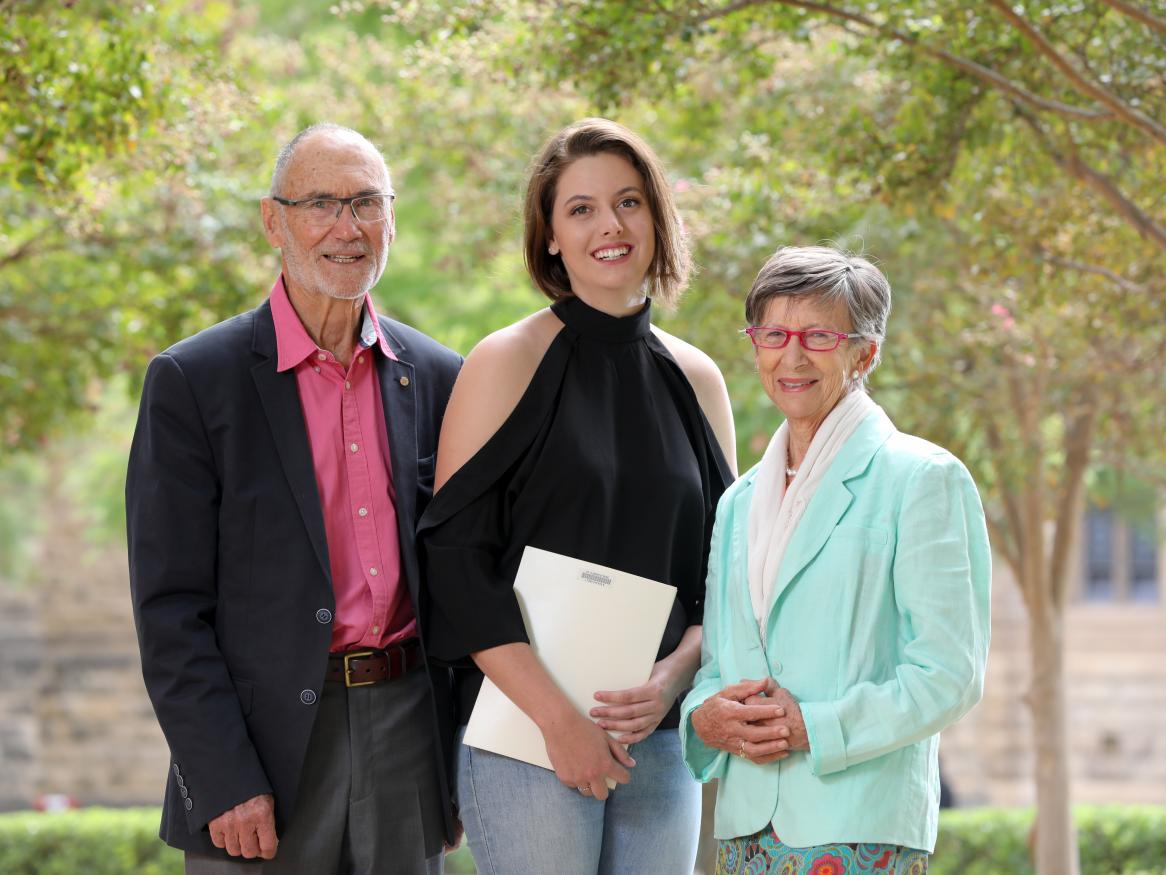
(520, 819)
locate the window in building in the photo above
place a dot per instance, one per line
(1121, 558)
(1099, 554)
(1143, 565)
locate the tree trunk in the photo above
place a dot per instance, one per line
(1055, 835)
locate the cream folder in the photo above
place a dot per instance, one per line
(592, 627)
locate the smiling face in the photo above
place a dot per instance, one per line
(806, 385)
(602, 228)
(346, 259)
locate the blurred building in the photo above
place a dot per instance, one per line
(1115, 667)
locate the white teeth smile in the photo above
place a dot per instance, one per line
(614, 252)
(342, 259)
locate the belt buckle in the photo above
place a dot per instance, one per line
(359, 654)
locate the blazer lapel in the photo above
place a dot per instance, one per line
(399, 399)
(281, 404)
(736, 587)
(832, 499)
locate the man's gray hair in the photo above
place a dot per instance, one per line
(284, 158)
(830, 275)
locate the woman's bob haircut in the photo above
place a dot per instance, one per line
(671, 263)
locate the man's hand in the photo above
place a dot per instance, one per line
(248, 829)
(459, 832)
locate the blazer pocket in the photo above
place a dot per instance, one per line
(875, 538)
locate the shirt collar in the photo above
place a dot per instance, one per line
(293, 344)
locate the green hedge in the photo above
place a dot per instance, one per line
(105, 841)
(1115, 840)
(93, 841)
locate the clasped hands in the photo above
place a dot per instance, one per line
(754, 719)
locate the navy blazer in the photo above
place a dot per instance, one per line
(229, 568)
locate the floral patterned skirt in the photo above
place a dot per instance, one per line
(764, 854)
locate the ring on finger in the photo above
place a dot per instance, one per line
(741, 748)
(584, 789)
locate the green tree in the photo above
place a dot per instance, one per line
(123, 225)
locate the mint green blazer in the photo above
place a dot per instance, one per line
(880, 630)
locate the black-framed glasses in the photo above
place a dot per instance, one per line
(324, 211)
(813, 339)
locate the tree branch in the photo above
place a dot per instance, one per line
(998, 533)
(1151, 21)
(1030, 512)
(1104, 96)
(1012, 548)
(1071, 163)
(970, 67)
(24, 250)
(1117, 279)
(1077, 440)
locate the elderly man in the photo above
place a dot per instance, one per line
(280, 462)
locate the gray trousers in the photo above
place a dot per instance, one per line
(369, 801)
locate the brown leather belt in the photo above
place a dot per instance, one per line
(362, 668)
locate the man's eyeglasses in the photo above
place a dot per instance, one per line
(323, 212)
(813, 339)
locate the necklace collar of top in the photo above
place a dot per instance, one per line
(594, 324)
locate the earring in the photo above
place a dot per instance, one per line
(854, 374)
(553, 249)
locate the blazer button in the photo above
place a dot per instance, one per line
(185, 793)
(308, 697)
(776, 667)
(176, 770)
(323, 616)
(404, 381)
(181, 783)
(189, 803)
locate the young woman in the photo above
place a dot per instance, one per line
(583, 430)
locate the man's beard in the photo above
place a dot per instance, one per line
(311, 276)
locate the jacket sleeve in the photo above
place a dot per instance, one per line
(941, 579)
(472, 602)
(704, 762)
(172, 518)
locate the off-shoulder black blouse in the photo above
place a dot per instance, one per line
(607, 457)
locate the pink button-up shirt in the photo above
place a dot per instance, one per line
(345, 420)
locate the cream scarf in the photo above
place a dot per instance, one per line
(774, 513)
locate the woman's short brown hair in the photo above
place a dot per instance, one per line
(671, 261)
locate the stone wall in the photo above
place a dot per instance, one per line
(20, 682)
(75, 717)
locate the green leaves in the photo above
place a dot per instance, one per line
(79, 88)
(119, 233)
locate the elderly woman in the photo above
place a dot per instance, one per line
(585, 430)
(846, 620)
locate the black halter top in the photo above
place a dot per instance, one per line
(607, 457)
